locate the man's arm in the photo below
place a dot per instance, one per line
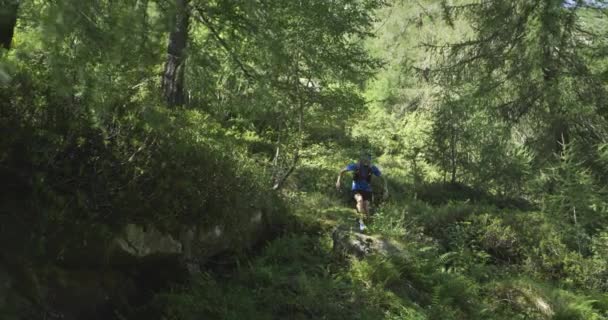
(385, 195)
(342, 172)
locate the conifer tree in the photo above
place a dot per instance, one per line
(533, 64)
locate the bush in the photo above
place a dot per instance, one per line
(70, 169)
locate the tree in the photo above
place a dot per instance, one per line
(173, 75)
(276, 67)
(533, 65)
(8, 20)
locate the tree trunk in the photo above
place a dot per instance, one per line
(279, 181)
(559, 125)
(173, 77)
(8, 20)
(453, 154)
(550, 64)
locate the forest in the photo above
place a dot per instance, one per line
(177, 159)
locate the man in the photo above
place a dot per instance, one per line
(362, 186)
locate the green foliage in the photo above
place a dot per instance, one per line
(487, 118)
(572, 193)
(513, 67)
(292, 278)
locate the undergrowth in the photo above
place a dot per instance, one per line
(464, 261)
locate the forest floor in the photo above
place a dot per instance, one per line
(446, 273)
(298, 276)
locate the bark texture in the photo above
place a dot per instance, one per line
(8, 20)
(173, 76)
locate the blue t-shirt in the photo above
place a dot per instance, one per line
(362, 184)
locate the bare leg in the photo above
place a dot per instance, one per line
(361, 210)
(366, 205)
(361, 205)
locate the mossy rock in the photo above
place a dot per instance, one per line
(348, 242)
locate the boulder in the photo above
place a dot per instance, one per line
(349, 242)
(7, 292)
(6, 283)
(139, 242)
(191, 245)
(102, 271)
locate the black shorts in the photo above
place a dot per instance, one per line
(367, 195)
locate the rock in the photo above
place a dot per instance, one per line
(6, 282)
(200, 243)
(84, 294)
(107, 269)
(522, 296)
(191, 245)
(141, 242)
(203, 242)
(360, 245)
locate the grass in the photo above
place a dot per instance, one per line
(449, 272)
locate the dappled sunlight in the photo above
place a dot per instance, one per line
(310, 159)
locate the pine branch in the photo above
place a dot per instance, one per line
(216, 35)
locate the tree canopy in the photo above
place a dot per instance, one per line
(176, 159)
